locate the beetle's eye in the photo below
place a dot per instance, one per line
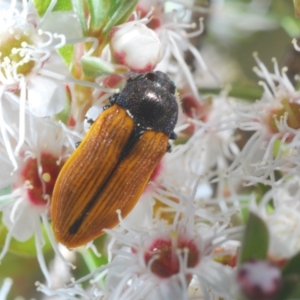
(160, 79)
(172, 87)
(152, 77)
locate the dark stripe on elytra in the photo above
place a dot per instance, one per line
(81, 189)
(133, 138)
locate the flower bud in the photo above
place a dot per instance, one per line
(259, 280)
(135, 45)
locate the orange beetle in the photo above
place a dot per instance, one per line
(112, 165)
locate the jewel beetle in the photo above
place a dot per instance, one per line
(110, 168)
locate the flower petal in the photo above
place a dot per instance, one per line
(46, 97)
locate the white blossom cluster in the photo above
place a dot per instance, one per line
(182, 239)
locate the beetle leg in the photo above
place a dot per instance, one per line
(173, 135)
(105, 107)
(89, 120)
(112, 99)
(169, 148)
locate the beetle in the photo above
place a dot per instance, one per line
(112, 165)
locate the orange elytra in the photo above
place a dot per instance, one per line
(113, 163)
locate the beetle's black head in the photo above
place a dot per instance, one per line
(151, 101)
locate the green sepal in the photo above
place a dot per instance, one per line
(94, 67)
(292, 267)
(255, 240)
(41, 6)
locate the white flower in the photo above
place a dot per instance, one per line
(159, 260)
(29, 64)
(25, 52)
(30, 177)
(206, 130)
(274, 120)
(280, 209)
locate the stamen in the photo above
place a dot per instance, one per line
(286, 81)
(48, 11)
(294, 42)
(4, 290)
(53, 241)
(183, 65)
(266, 89)
(39, 243)
(8, 238)
(198, 32)
(62, 38)
(266, 74)
(14, 210)
(198, 56)
(21, 115)
(5, 135)
(46, 177)
(50, 38)
(85, 40)
(76, 81)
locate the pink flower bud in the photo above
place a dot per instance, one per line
(259, 279)
(135, 45)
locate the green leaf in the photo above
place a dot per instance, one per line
(255, 240)
(92, 261)
(105, 14)
(292, 267)
(244, 204)
(290, 289)
(67, 53)
(290, 25)
(94, 67)
(81, 7)
(41, 6)
(237, 90)
(119, 13)
(99, 13)
(24, 272)
(294, 294)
